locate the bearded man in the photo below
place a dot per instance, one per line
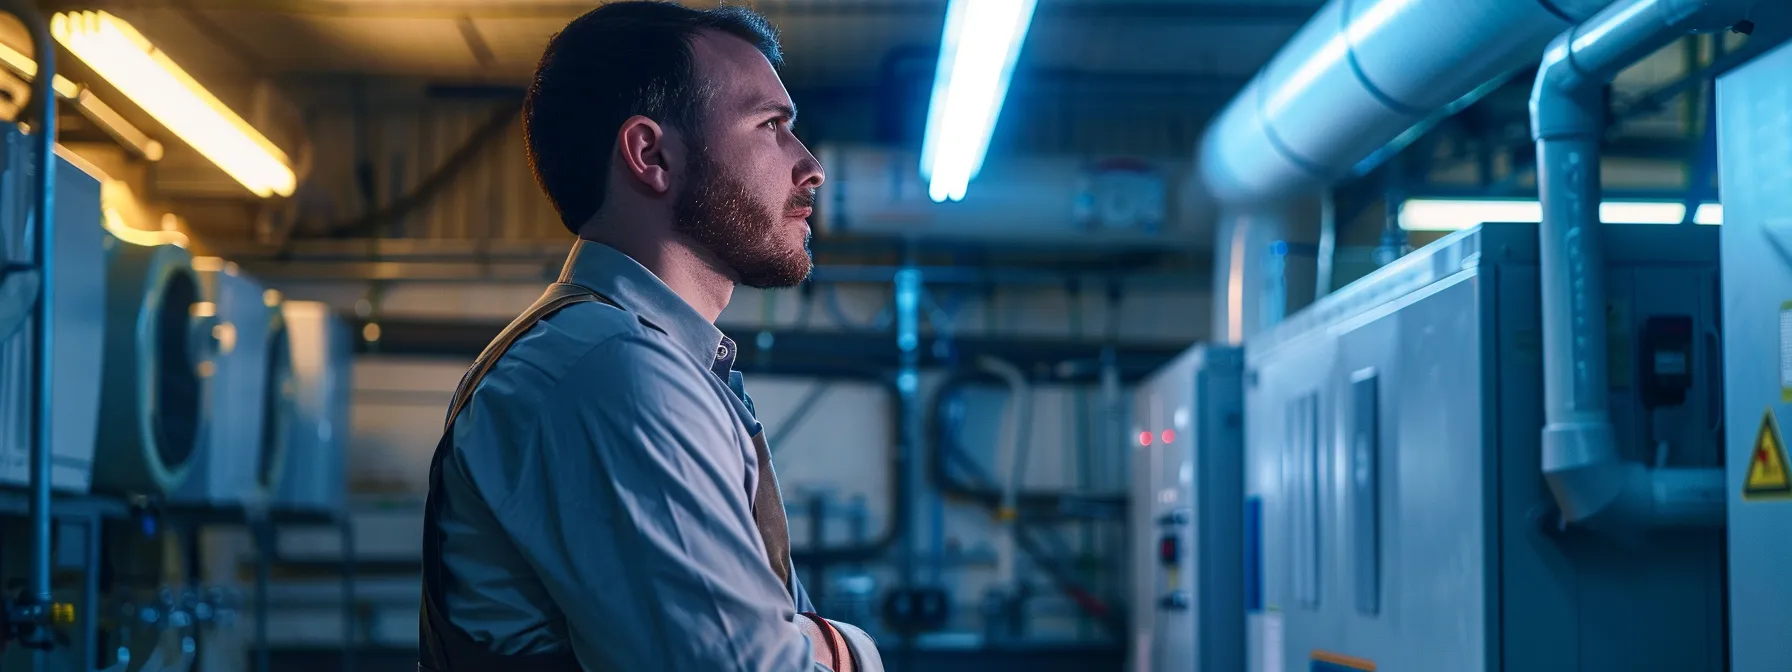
(602, 497)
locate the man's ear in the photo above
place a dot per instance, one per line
(645, 146)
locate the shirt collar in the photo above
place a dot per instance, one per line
(622, 279)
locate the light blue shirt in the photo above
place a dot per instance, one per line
(599, 494)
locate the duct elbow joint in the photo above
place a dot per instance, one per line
(1595, 489)
(1580, 464)
(1566, 102)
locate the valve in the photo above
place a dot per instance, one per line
(25, 620)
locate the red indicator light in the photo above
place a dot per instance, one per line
(1169, 435)
(1144, 438)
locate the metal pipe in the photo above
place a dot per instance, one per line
(1328, 244)
(38, 231)
(908, 384)
(1358, 76)
(1580, 458)
(1010, 461)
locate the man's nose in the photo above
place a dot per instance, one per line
(809, 173)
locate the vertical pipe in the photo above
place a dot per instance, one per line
(908, 437)
(262, 528)
(38, 231)
(1328, 243)
(908, 342)
(1580, 457)
(90, 594)
(346, 524)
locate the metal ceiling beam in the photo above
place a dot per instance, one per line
(1289, 12)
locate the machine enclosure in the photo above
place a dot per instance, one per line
(322, 366)
(153, 408)
(1393, 431)
(79, 321)
(242, 458)
(1754, 146)
(1187, 515)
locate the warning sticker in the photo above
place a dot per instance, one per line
(1767, 476)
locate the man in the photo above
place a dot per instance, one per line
(602, 498)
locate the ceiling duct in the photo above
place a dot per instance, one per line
(1359, 75)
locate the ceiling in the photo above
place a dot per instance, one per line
(1136, 76)
(829, 42)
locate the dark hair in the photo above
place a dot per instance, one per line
(618, 61)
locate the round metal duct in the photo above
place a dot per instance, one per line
(158, 360)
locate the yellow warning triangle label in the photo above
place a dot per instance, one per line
(1767, 467)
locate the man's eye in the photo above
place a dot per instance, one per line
(774, 124)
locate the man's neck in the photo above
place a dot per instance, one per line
(694, 276)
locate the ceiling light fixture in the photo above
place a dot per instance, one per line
(980, 45)
(121, 55)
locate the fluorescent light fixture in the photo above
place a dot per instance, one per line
(96, 111)
(1428, 214)
(121, 55)
(982, 40)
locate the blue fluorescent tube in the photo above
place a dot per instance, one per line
(978, 50)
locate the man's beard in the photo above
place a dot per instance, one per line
(716, 210)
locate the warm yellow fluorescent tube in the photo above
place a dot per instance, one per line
(121, 55)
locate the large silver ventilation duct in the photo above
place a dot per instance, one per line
(1580, 459)
(1357, 77)
(1360, 74)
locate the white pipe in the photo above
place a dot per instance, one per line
(1580, 458)
(1011, 459)
(1359, 75)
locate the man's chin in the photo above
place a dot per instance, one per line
(782, 274)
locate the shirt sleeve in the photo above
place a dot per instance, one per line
(635, 515)
(864, 651)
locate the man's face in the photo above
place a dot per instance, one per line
(750, 184)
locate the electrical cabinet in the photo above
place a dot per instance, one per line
(1187, 508)
(1393, 451)
(78, 318)
(1755, 158)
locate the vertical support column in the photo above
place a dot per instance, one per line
(90, 593)
(261, 528)
(345, 524)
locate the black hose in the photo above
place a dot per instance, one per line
(900, 503)
(944, 452)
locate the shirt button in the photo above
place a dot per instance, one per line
(721, 351)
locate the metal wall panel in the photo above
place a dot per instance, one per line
(491, 196)
(1410, 529)
(1755, 153)
(1187, 515)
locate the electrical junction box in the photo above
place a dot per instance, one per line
(1187, 508)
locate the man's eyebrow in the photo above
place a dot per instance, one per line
(785, 110)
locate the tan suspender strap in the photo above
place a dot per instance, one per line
(559, 295)
(768, 513)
